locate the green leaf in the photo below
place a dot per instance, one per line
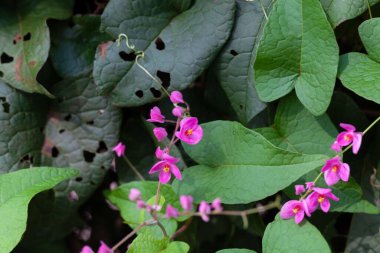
(283, 236)
(132, 215)
(240, 166)
(147, 243)
(297, 50)
(369, 32)
(234, 65)
(179, 44)
(236, 251)
(24, 40)
(360, 74)
(339, 11)
(73, 48)
(17, 189)
(296, 129)
(177, 247)
(22, 119)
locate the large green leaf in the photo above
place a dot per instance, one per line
(284, 236)
(234, 65)
(147, 243)
(17, 189)
(369, 32)
(240, 166)
(297, 50)
(24, 39)
(339, 11)
(73, 48)
(133, 216)
(236, 251)
(179, 44)
(22, 119)
(296, 129)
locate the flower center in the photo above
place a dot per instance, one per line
(335, 168)
(347, 137)
(321, 198)
(296, 209)
(189, 132)
(166, 168)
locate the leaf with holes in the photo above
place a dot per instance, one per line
(24, 40)
(240, 166)
(22, 119)
(81, 130)
(73, 48)
(179, 43)
(359, 72)
(339, 11)
(297, 51)
(17, 189)
(234, 65)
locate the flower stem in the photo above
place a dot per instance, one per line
(162, 228)
(158, 193)
(134, 231)
(181, 229)
(369, 9)
(134, 169)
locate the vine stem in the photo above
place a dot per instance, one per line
(181, 229)
(369, 9)
(134, 169)
(134, 231)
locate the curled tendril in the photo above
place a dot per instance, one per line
(121, 36)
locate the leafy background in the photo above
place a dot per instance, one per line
(270, 95)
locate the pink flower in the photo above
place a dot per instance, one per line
(73, 196)
(178, 111)
(166, 167)
(186, 202)
(176, 97)
(141, 204)
(190, 132)
(309, 185)
(171, 212)
(334, 170)
(320, 196)
(104, 248)
(299, 189)
(160, 133)
(217, 205)
(134, 194)
(336, 147)
(119, 149)
(296, 209)
(156, 116)
(86, 249)
(160, 153)
(350, 136)
(204, 210)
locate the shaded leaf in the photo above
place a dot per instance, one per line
(147, 243)
(236, 251)
(369, 32)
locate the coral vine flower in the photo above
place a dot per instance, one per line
(296, 209)
(134, 194)
(119, 149)
(320, 196)
(166, 167)
(349, 136)
(176, 97)
(299, 189)
(186, 202)
(104, 248)
(309, 185)
(334, 170)
(336, 147)
(156, 116)
(160, 153)
(178, 111)
(160, 133)
(171, 212)
(190, 132)
(86, 249)
(217, 205)
(204, 210)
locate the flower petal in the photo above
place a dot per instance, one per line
(344, 172)
(347, 127)
(176, 172)
(331, 178)
(157, 167)
(287, 209)
(299, 217)
(357, 142)
(325, 205)
(342, 140)
(164, 177)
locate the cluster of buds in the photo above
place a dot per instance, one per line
(333, 171)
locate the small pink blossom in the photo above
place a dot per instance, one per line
(73, 196)
(176, 97)
(349, 136)
(320, 196)
(296, 209)
(134, 194)
(190, 132)
(186, 202)
(119, 149)
(166, 167)
(171, 212)
(160, 153)
(204, 210)
(113, 185)
(299, 189)
(178, 111)
(217, 205)
(160, 133)
(309, 185)
(141, 204)
(336, 147)
(334, 170)
(104, 248)
(86, 249)
(156, 116)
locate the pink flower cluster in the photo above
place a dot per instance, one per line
(333, 171)
(189, 132)
(135, 196)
